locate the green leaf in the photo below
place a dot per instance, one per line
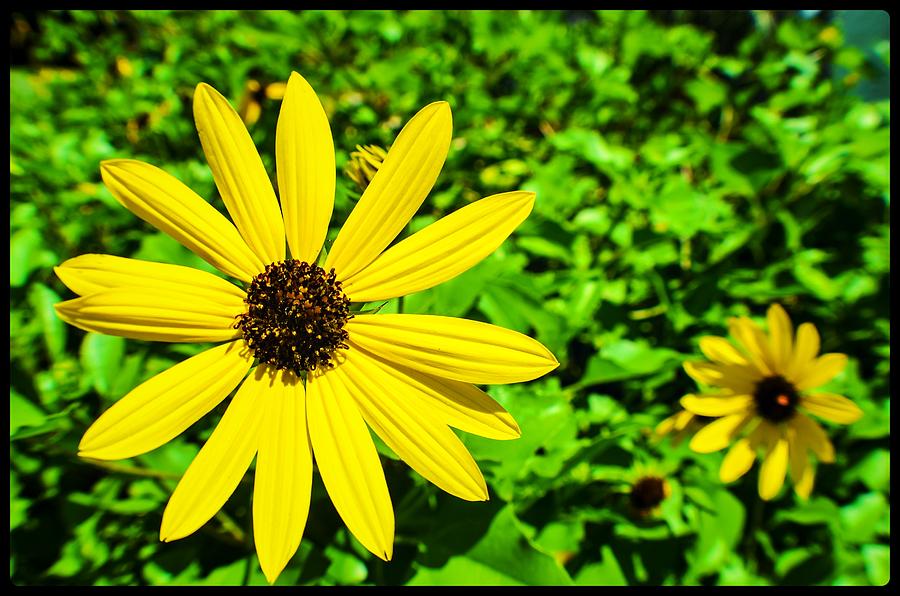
(42, 300)
(504, 556)
(22, 412)
(101, 357)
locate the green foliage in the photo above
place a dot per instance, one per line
(688, 167)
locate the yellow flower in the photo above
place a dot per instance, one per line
(364, 164)
(765, 391)
(323, 372)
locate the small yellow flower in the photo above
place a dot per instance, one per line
(647, 493)
(364, 164)
(323, 372)
(765, 391)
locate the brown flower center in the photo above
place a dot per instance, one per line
(647, 493)
(295, 316)
(776, 398)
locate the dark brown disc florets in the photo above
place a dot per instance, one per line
(647, 493)
(295, 316)
(776, 398)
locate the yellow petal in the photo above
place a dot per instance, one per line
(780, 337)
(813, 435)
(441, 251)
(805, 350)
(396, 192)
(458, 349)
(88, 274)
(348, 462)
(754, 341)
(460, 405)
(239, 174)
(802, 471)
(221, 463)
(832, 407)
(717, 406)
(737, 462)
(773, 469)
(740, 379)
(161, 408)
(718, 434)
(720, 350)
(414, 434)
(155, 314)
(820, 371)
(165, 203)
(283, 482)
(304, 154)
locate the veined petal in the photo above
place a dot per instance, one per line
(460, 405)
(754, 342)
(773, 469)
(239, 174)
(720, 350)
(441, 251)
(458, 349)
(423, 442)
(154, 314)
(806, 347)
(283, 484)
(831, 407)
(813, 435)
(348, 462)
(221, 463)
(741, 456)
(396, 192)
(820, 371)
(717, 406)
(781, 335)
(718, 434)
(165, 203)
(739, 379)
(304, 154)
(161, 408)
(88, 274)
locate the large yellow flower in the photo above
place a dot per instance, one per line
(323, 371)
(765, 391)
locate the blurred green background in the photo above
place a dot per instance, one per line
(689, 166)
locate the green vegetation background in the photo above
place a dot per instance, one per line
(688, 167)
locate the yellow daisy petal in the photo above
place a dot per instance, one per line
(283, 482)
(802, 470)
(423, 442)
(154, 314)
(773, 469)
(832, 407)
(165, 203)
(717, 406)
(741, 456)
(88, 274)
(453, 348)
(348, 462)
(718, 434)
(754, 341)
(806, 348)
(737, 378)
(221, 463)
(396, 192)
(780, 337)
(161, 408)
(813, 436)
(720, 350)
(441, 251)
(460, 405)
(820, 371)
(304, 154)
(239, 174)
